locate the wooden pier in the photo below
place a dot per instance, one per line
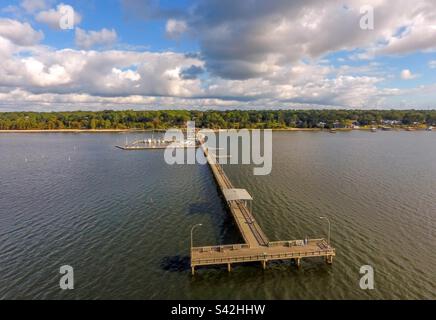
(153, 147)
(156, 144)
(257, 247)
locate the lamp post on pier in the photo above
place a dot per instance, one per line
(328, 220)
(192, 231)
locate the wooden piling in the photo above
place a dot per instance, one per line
(298, 262)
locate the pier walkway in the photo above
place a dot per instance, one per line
(257, 247)
(249, 228)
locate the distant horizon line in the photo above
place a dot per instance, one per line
(216, 110)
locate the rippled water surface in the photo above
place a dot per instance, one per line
(123, 219)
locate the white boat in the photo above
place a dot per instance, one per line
(430, 128)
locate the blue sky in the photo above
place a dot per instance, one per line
(206, 54)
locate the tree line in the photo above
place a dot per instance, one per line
(237, 119)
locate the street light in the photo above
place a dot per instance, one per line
(328, 220)
(192, 230)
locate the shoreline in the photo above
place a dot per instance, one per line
(163, 130)
(77, 130)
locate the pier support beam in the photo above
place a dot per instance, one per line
(329, 259)
(229, 267)
(264, 264)
(192, 270)
(298, 262)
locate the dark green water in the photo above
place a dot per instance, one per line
(122, 219)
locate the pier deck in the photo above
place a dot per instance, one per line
(257, 247)
(249, 228)
(275, 251)
(153, 147)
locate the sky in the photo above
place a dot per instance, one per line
(217, 54)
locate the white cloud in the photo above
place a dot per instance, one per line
(127, 79)
(127, 75)
(32, 6)
(419, 33)
(261, 55)
(19, 33)
(175, 28)
(432, 64)
(88, 39)
(243, 40)
(406, 74)
(44, 76)
(53, 17)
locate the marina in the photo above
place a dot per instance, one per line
(150, 144)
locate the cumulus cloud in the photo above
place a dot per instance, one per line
(96, 73)
(192, 72)
(417, 30)
(252, 54)
(52, 17)
(41, 75)
(127, 75)
(19, 33)
(88, 39)
(168, 78)
(32, 6)
(432, 64)
(249, 39)
(175, 28)
(406, 74)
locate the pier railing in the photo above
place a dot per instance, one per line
(222, 248)
(263, 257)
(296, 243)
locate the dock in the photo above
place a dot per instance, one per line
(256, 246)
(152, 147)
(156, 144)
